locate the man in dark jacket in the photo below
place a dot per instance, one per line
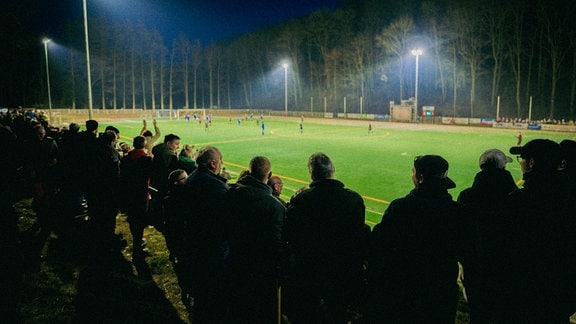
(535, 254)
(165, 161)
(135, 170)
(414, 258)
(177, 210)
(255, 240)
(326, 237)
(103, 180)
(206, 248)
(482, 203)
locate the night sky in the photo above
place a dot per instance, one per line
(197, 19)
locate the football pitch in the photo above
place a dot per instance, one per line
(376, 165)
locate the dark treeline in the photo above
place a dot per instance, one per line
(356, 58)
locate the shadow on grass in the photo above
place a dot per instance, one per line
(63, 282)
(108, 291)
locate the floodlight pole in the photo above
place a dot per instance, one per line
(417, 53)
(46, 41)
(88, 74)
(285, 65)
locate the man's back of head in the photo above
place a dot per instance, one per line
(209, 157)
(107, 138)
(91, 125)
(320, 166)
(112, 128)
(260, 168)
(493, 159)
(139, 142)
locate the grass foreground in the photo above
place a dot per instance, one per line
(62, 284)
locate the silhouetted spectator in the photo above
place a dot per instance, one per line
(135, 170)
(326, 237)
(114, 129)
(276, 184)
(85, 149)
(67, 142)
(42, 153)
(255, 221)
(535, 247)
(414, 258)
(165, 157)
(103, 181)
(206, 250)
(41, 157)
(482, 203)
(164, 161)
(177, 213)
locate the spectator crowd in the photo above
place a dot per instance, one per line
(243, 255)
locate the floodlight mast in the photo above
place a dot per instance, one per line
(285, 65)
(46, 41)
(88, 74)
(416, 52)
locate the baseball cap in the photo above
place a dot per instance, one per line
(545, 152)
(494, 158)
(435, 169)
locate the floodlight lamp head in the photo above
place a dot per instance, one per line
(417, 52)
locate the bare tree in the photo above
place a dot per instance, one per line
(162, 76)
(210, 65)
(553, 20)
(325, 31)
(395, 39)
(184, 49)
(155, 46)
(496, 23)
(289, 44)
(196, 53)
(516, 52)
(439, 37)
(356, 57)
(471, 44)
(171, 76)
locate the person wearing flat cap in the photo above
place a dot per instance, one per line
(535, 250)
(413, 262)
(481, 203)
